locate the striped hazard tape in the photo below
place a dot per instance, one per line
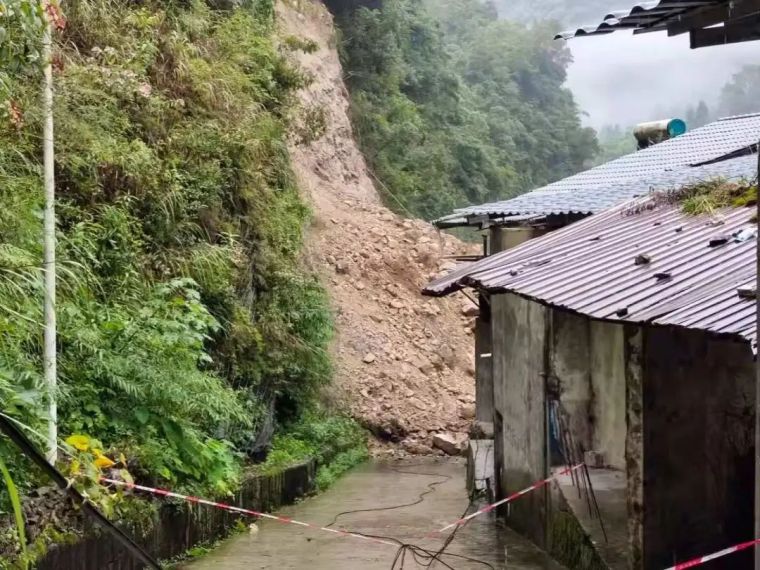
(288, 520)
(509, 499)
(720, 554)
(248, 512)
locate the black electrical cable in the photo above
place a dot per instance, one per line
(421, 556)
(430, 488)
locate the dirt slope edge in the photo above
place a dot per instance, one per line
(403, 362)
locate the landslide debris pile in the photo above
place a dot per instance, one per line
(404, 363)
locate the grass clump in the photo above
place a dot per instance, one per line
(704, 197)
(306, 45)
(707, 197)
(337, 443)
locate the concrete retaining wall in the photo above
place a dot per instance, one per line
(180, 526)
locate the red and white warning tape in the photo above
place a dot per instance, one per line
(509, 499)
(288, 520)
(248, 512)
(725, 552)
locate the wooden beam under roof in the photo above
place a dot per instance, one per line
(713, 15)
(744, 30)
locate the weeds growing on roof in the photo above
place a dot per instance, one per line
(704, 197)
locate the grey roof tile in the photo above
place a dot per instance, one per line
(675, 162)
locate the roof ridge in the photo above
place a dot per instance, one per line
(735, 117)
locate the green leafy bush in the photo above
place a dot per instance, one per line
(337, 443)
(185, 314)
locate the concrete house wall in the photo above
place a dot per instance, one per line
(519, 360)
(588, 363)
(698, 404)
(674, 409)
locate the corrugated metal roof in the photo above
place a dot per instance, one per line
(674, 162)
(589, 267)
(654, 15)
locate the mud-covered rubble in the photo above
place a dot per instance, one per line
(404, 363)
(408, 358)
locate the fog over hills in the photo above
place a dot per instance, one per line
(624, 79)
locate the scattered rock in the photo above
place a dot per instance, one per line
(369, 358)
(449, 443)
(416, 448)
(469, 309)
(417, 403)
(375, 263)
(467, 411)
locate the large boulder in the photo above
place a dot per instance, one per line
(450, 444)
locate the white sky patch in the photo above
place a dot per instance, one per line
(625, 79)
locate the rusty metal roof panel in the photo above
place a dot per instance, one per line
(700, 154)
(641, 262)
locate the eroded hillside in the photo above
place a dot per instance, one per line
(403, 363)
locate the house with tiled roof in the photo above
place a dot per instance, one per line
(623, 337)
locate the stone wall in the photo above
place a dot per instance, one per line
(179, 527)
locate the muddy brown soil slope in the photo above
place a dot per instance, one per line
(403, 362)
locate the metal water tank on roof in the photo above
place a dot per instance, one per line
(655, 132)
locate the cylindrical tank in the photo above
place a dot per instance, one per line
(655, 132)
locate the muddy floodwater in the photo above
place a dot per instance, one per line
(438, 489)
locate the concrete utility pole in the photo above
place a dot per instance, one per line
(49, 351)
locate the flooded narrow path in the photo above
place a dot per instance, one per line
(438, 489)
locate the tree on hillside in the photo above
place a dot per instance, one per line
(454, 107)
(614, 142)
(741, 95)
(698, 116)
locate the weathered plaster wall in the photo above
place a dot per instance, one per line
(519, 349)
(607, 368)
(587, 359)
(570, 359)
(633, 338)
(483, 364)
(698, 446)
(501, 239)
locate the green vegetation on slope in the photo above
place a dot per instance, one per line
(453, 107)
(336, 443)
(187, 323)
(614, 142)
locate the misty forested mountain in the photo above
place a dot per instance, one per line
(454, 106)
(566, 12)
(741, 95)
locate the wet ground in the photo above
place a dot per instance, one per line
(438, 489)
